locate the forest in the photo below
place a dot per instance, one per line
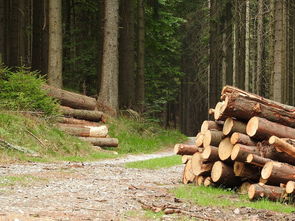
(166, 59)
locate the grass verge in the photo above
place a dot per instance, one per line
(210, 196)
(23, 180)
(156, 163)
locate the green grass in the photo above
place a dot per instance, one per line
(210, 196)
(40, 135)
(140, 136)
(23, 180)
(156, 163)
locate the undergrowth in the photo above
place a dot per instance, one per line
(211, 196)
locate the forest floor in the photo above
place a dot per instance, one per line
(105, 190)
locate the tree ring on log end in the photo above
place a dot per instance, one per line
(216, 171)
(235, 152)
(228, 125)
(266, 171)
(252, 126)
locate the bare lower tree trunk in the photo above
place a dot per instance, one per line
(139, 91)
(259, 46)
(55, 44)
(247, 48)
(2, 31)
(109, 78)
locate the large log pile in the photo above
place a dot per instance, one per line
(249, 144)
(81, 117)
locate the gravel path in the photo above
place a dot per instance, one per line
(103, 190)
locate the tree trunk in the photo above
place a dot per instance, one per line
(188, 176)
(211, 125)
(242, 139)
(230, 126)
(225, 149)
(263, 129)
(200, 168)
(139, 89)
(257, 191)
(82, 114)
(84, 131)
(185, 149)
(102, 142)
(210, 154)
(71, 99)
(240, 152)
(246, 171)
(55, 44)
(2, 31)
(126, 54)
(66, 120)
(212, 138)
(109, 82)
(224, 175)
(257, 160)
(247, 47)
(282, 145)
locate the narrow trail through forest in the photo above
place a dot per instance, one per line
(103, 190)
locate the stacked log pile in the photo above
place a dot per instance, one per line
(81, 117)
(249, 145)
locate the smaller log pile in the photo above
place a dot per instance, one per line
(250, 145)
(81, 117)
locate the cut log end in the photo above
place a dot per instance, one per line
(252, 126)
(266, 171)
(208, 181)
(250, 158)
(176, 148)
(199, 139)
(290, 187)
(251, 192)
(228, 125)
(216, 171)
(225, 149)
(235, 152)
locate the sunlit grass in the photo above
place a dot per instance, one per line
(156, 163)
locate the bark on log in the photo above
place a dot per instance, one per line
(257, 160)
(211, 125)
(200, 180)
(246, 171)
(83, 114)
(84, 131)
(212, 138)
(185, 149)
(102, 142)
(240, 152)
(257, 191)
(244, 188)
(242, 139)
(261, 128)
(224, 175)
(199, 139)
(225, 149)
(277, 172)
(230, 126)
(200, 168)
(188, 176)
(269, 151)
(186, 158)
(282, 145)
(210, 154)
(244, 105)
(71, 99)
(290, 187)
(66, 120)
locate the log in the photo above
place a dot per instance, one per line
(199, 139)
(244, 188)
(290, 187)
(211, 125)
(277, 172)
(66, 120)
(82, 114)
(210, 154)
(84, 131)
(186, 158)
(240, 152)
(224, 175)
(246, 171)
(244, 105)
(231, 125)
(102, 142)
(200, 180)
(225, 149)
(218, 112)
(199, 168)
(212, 138)
(71, 99)
(261, 128)
(269, 151)
(257, 160)
(188, 176)
(242, 139)
(211, 111)
(257, 191)
(282, 145)
(208, 181)
(185, 149)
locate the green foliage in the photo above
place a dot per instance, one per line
(141, 136)
(42, 137)
(211, 196)
(163, 44)
(156, 163)
(21, 91)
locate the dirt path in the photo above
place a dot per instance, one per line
(103, 190)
